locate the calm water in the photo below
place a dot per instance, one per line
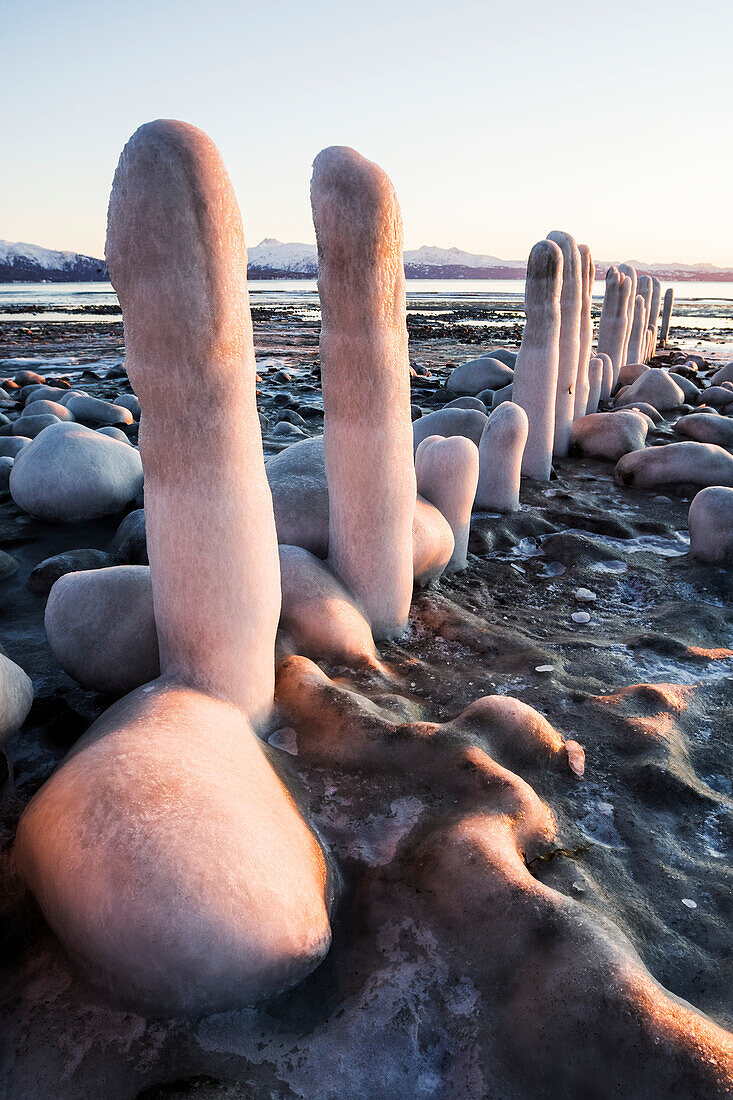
(702, 311)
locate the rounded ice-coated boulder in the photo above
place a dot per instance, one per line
(101, 628)
(12, 445)
(44, 575)
(656, 388)
(129, 401)
(725, 374)
(31, 394)
(630, 372)
(466, 403)
(174, 836)
(98, 413)
(71, 473)
(502, 395)
(690, 390)
(641, 406)
(16, 697)
(609, 435)
(484, 373)
(710, 520)
(318, 615)
(114, 433)
(717, 396)
(31, 426)
(6, 465)
(46, 408)
(447, 422)
(675, 464)
(130, 542)
(68, 394)
(706, 428)
(504, 355)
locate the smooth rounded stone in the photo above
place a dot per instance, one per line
(675, 464)
(297, 479)
(70, 473)
(168, 818)
(571, 297)
(504, 355)
(98, 413)
(710, 520)
(30, 394)
(535, 373)
(12, 445)
(630, 372)
(16, 698)
(609, 435)
(289, 431)
(367, 428)
(704, 428)
(447, 475)
(595, 383)
(655, 388)
(46, 408)
(448, 422)
(690, 390)
(466, 403)
(725, 374)
(68, 394)
(28, 378)
(654, 414)
(290, 416)
(114, 433)
(696, 360)
(318, 615)
(4, 420)
(500, 459)
(129, 401)
(129, 544)
(484, 373)
(717, 396)
(498, 397)
(415, 412)
(8, 564)
(6, 465)
(264, 422)
(101, 627)
(44, 575)
(31, 426)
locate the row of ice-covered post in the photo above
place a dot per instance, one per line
(557, 379)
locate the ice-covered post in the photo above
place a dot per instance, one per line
(653, 322)
(447, 475)
(612, 326)
(178, 262)
(595, 383)
(630, 271)
(645, 288)
(638, 332)
(570, 308)
(500, 449)
(366, 384)
(666, 316)
(535, 371)
(588, 274)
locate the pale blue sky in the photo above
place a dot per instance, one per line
(496, 121)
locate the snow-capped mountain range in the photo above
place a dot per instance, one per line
(27, 263)
(273, 259)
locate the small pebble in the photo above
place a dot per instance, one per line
(580, 617)
(584, 595)
(285, 739)
(544, 668)
(689, 903)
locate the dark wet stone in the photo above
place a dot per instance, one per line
(46, 573)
